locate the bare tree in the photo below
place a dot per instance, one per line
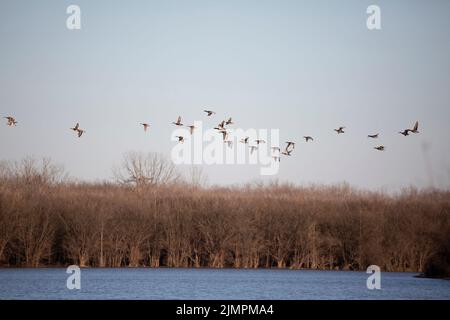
(5, 170)
(81, 230)
(34, 233)
(34, 172)
(140, 169)
(8, 224)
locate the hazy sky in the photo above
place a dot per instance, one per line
(304, 67)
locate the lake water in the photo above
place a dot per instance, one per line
(215, 284)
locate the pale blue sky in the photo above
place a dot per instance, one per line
(305, 67)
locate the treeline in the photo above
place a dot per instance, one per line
(47, 221)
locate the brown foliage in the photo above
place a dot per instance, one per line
(55, 222)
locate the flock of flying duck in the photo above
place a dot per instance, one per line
(221, 128)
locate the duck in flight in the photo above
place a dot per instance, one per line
(307, 138)
(178, 123)
(415, 129)
(191, 129)
(180, 139)
(220, 126)
(77, 129)
(290, 144)
(146, 126)
(379, 148)
(209, 113)
(340, 130)
(244, 140)
(373, 136)
(11, 121)
(229, 121)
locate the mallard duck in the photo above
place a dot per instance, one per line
(178, 123)
(290, 144)
(191, 129)
(146, 126)
(11, 121)
(340, 130)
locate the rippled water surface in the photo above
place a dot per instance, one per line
(215, 284)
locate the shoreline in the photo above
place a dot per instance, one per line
(418, 274)
(203, 268)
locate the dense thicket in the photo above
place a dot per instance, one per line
(52, 222)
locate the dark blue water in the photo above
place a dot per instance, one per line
(215, 284)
